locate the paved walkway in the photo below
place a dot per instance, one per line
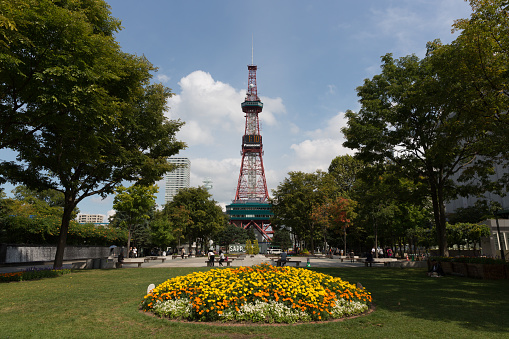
(200, 262)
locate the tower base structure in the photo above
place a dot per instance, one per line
(252, 214)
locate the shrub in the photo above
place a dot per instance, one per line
(33, 273)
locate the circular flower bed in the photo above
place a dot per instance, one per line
(261, 293)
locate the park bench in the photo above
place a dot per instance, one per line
(138, 261)
(348, 257)
(374, 261)
(288, 261)
(162, 258)
(178, 256)
(228, 262)
(78, 265)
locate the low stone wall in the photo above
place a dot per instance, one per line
(480, 271)
(404, 264)
(20, 254)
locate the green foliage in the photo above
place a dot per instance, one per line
(162, 232)
(32, 274)
(45, 230)
(294, 201)
(414, 108)
(345, 170)
(133, 207)
(195, 215)
(465, 233)
(472, 214)
(28, 203)
(255, 247)
(249, 247)
(281, 239)
(231, 234)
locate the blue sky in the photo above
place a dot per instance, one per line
(311, 55)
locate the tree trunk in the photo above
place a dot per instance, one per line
(439, 214)
(312, 239)
(129, 233)
(69, 205)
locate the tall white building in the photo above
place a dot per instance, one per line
(178, 178)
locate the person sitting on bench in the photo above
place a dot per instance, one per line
(221, 258)
(435, 270)
(369, 258)
(211, 257)
(283, 258)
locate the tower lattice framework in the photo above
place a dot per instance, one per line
(252, 185)
(251, 207)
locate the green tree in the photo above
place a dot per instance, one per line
(335, 215)
(388, 205)
(170, 226)
(256, 247)
(482, 49)
(133, 207)
(206, 218)
(161, 232)
(412, 119)
(249, 247)
(81, 114)
(294, 201)
(231, 234)
(345, 170)
(43, 203)
(472, 214)
(282, 239)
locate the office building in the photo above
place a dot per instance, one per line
(178, 178)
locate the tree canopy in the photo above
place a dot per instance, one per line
(133, 207)
(199, 217)
(294, 201)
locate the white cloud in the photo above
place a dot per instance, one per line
(110, 214)
(323, 145)
(271, 107)
(209, 108)
(163, 78)
(332, 128)
(222, 172)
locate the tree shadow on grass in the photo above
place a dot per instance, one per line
(477, 305)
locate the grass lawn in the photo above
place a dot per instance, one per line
(104, 303)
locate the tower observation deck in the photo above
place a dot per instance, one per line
(251, 207)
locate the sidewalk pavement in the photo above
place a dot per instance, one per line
(201, 262)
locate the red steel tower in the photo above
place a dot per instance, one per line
(251, 207)
(252, 185)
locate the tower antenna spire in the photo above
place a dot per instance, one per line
(252, 49)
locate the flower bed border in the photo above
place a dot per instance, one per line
(371, 309)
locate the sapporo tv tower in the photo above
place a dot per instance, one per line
(251, 207)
